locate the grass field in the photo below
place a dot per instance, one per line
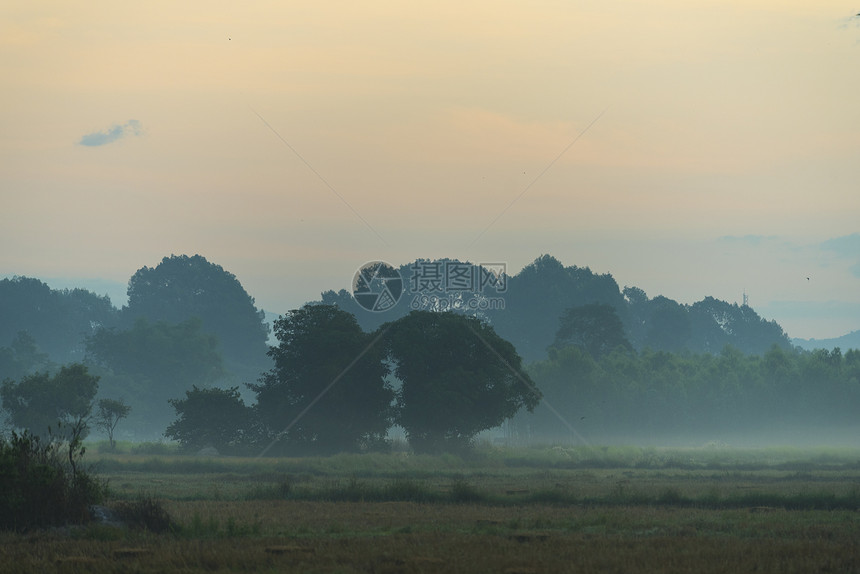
(553, 509)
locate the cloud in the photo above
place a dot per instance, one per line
(131, 127)
(848, 247)
(844, 246)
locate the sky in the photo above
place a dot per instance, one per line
(691, 149)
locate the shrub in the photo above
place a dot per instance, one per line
(146, 513)
(42, 486)
(462, 491)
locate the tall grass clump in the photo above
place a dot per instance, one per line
(145, 513)
(463, 492)
(42, 484)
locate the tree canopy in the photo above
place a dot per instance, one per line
(539, 294)
(57, 320)
(40, 401)
(216, 418)
(457, 378)
(182, 287)
(659, 396)
(324, 361)
(22, 357)
(595, 328)
(110, 412)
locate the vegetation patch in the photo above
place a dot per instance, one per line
(42, 484)
(146, 513)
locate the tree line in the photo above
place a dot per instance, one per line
(596, 383)
(536, 296)
(652, 396)
(187, 322)
(442, 377)
(190, 339)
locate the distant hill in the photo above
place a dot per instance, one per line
(845, 342)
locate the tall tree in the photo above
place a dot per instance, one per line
(538, 295)
(327, 389)
(181, 287)
(457, 376)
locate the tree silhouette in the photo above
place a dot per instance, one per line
(182, 287)
(327, 389)
(458, 377)
(594, 328)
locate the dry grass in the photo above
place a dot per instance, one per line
(455, 516)
(407, 537)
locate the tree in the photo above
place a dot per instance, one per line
(182, 287)
(215, 418)
(57, 320)
(669, 327)
(41, 402)
(457, 377)
(110, 412)
(570, 380)
(636, 316)
(153, 362)
(327, 389)
(594, 328)
(539, 294)
(717, 323)
(22, 357)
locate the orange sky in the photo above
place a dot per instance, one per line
(726, 156)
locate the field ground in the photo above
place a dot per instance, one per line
(555, 509)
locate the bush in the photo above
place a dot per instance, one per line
(146, 513)
(40, 485)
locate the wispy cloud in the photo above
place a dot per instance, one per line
(846, 246)
(131, 127)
